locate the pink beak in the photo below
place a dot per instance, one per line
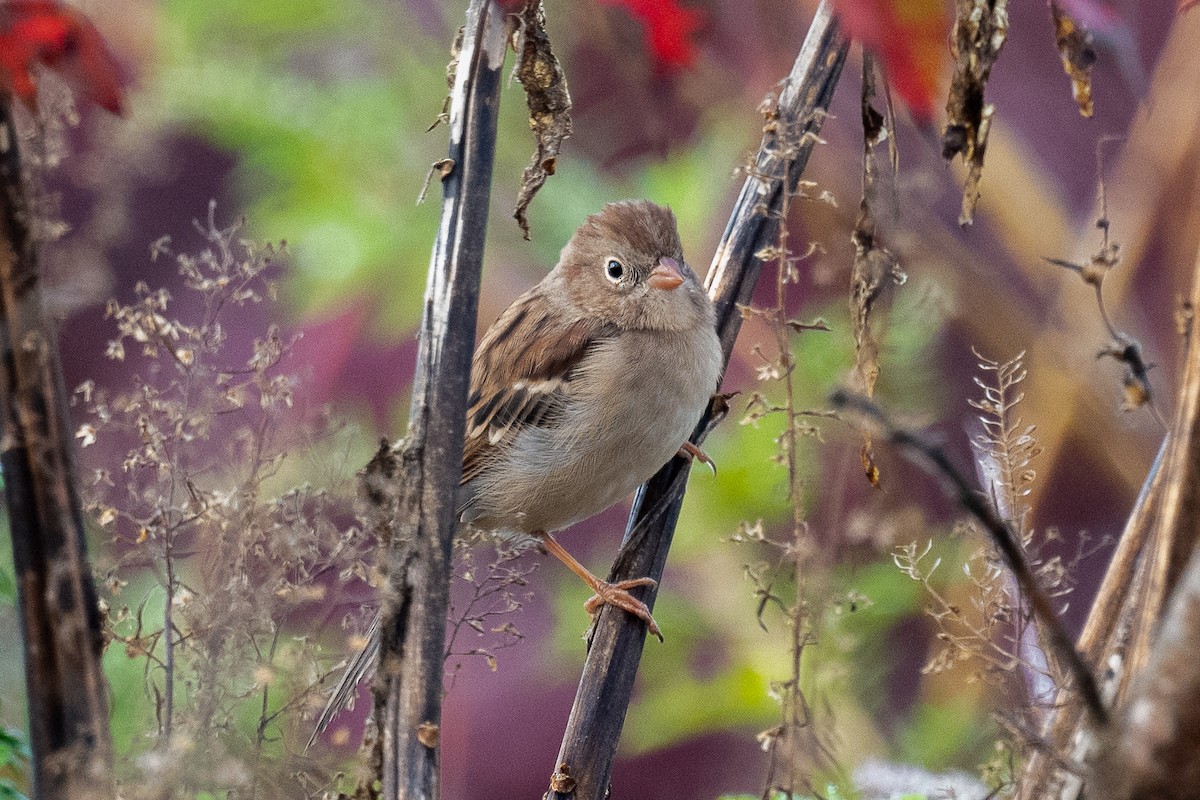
(666, 275)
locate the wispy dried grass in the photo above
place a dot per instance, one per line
(788, 578)
(218, 557)
(996, 636)
(200, 502)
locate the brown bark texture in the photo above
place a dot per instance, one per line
(406, 486)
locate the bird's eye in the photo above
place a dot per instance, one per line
(614, 270)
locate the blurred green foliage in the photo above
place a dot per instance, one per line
(8, 589)
(14, 764)
(314, 97)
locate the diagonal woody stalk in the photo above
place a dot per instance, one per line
(60, 620)
(404, 487)
(590, 741)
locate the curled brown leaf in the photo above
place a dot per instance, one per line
(980, 28)
(1078, 53)
(549, 103)
(875, 267)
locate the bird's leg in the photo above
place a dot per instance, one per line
(690, 451)
(612, 594)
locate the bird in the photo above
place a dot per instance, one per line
(580, 391)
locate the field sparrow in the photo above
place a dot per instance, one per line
(584, 388)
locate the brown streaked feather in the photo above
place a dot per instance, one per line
(521, 373)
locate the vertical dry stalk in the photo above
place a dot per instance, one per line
(1154, 750)
(60, 620)
(1120, 606)
(590, 740)
(1147, 569)
(425, 470)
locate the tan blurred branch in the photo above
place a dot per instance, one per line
(1120, 635)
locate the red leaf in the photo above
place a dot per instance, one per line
(910, 36)
(668, 29)
(43, 31)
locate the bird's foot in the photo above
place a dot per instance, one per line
(690, 451)
(618, 596)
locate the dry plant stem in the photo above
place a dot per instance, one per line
(60, 621)
(408, 685)
(1155, 751)
(1176, 526)
(170, 641)
(1120, 605)
(1122, 347)
(589, 743)
(922, 452)
(1116, 637)
(796, 714)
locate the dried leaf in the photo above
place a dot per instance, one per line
(561, 781)
(1076, 46)
(874, 268)
(549, 103)
(428, 734)
(443, 169)
(86, 435)
(980, 28)
(867, 456)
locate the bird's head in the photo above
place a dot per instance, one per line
(625, 263)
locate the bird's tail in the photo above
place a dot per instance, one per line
(360, 667)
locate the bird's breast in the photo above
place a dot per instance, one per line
(632, 404)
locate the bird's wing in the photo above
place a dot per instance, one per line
(362, 663)
(522, 372)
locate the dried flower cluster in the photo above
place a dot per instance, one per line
(992, 631)
(489, 593)
(219, 559)
(200, 501)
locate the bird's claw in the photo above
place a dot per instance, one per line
(618, 596)
(690, 452)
